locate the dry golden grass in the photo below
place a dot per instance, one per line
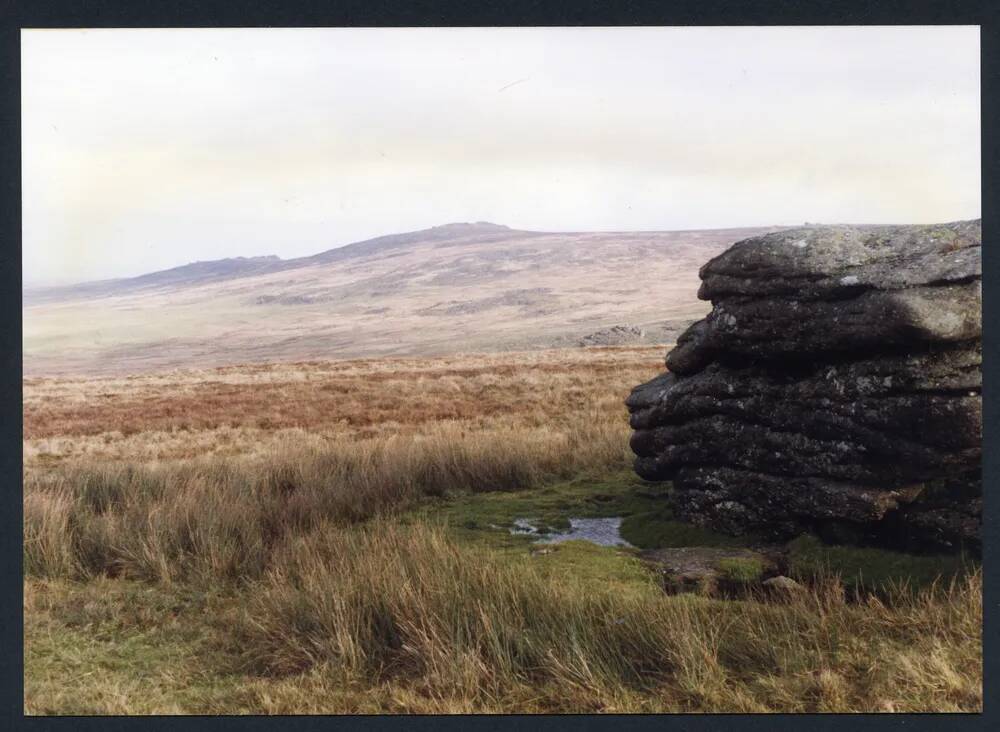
(207, 562)
(462, 631)
(402, 619)
(346, 441)
(225, 517)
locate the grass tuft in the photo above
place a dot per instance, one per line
(741, 569)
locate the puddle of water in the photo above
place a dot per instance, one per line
(600, 531)
(523, 526)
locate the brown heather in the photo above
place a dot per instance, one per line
(240, 410)
(238, 541)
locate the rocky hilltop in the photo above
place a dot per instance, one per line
(834, 387)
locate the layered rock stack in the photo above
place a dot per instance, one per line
(834, 387)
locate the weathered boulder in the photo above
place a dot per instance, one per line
(837, 379)
(782, 585)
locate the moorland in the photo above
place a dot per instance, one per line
(466, 287)
(335, 535)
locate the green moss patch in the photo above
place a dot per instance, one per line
(599, 566)
(488, 516)
(658, 530)
(871, 568)
(647, 520)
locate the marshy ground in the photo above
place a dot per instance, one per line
(332, 537)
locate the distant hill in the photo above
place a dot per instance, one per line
(187, 274)
(458, 287)
(197, 273)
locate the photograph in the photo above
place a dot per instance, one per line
(493, 370)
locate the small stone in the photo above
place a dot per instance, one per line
(783, 584)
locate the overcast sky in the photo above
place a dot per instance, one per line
(145, 149)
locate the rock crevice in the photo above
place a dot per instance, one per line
(835, 383)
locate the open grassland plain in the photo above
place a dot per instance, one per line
(333, 537)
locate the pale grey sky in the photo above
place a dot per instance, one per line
(145, 149)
